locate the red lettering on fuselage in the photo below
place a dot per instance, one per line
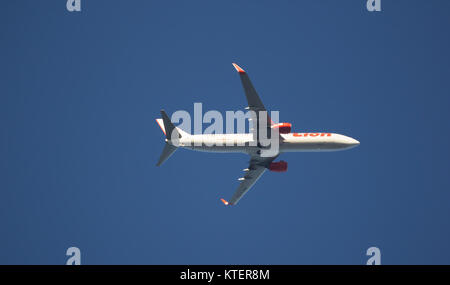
(311, 134)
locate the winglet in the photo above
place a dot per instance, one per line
(224, 201)
(238, 69)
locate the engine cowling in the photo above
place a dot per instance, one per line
(283, 128)
(280, 166)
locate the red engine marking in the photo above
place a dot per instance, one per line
(283, 128)
(280, 166)
(311, 134)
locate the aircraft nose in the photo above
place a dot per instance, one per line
(352, 142)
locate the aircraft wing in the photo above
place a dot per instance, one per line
(258, 165)
(254, 102)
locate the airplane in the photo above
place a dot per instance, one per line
(245, 142)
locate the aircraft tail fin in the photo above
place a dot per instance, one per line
(172, 133)
(167, 126)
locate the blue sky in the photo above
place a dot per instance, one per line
(78, 140)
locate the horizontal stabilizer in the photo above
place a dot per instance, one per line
(166, 153)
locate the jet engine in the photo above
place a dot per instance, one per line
(283, 128)
(280, 166)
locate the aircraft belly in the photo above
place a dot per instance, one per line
(216, 148)
(284, 147)
(311, 147)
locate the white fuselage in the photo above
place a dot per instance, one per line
(245, 143)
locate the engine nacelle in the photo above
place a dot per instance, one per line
(283, 128)
(280, 166)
